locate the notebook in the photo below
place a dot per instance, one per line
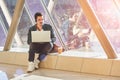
(40, 36)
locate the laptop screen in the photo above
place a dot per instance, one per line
(40, 36)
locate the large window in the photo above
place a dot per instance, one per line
(69, 20)
(75, 29)
(108, 13)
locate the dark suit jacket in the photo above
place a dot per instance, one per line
(45, 27)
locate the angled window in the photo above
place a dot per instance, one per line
(108, 14)
(69, 20)
(75, 29)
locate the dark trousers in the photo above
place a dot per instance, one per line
(41, 48)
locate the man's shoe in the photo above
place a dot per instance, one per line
(31, 67)
(36, 63)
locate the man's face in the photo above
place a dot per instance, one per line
(39, 20)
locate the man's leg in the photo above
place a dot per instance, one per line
(31, 57)
(39, 49)
(42, 50)
(31, 66)
(46, 48)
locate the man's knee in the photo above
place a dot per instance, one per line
(31, 51)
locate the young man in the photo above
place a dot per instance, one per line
(42, 48)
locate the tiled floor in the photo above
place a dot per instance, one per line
(15, 70)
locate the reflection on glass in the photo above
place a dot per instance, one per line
(75, 29)
(109, 16)
(72, 23)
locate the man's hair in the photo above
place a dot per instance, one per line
(36, 15)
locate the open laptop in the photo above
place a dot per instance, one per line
(40, 36)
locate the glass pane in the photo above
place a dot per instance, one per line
(3, 30)
(75, 29)
(2, 35)
(47, 2)
(108, 14)
(11, 5)
(34, 6)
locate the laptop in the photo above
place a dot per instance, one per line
(40, 36)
